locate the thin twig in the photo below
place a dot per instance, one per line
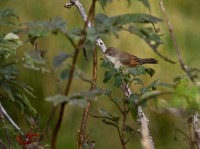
(81, 137)
(117, 105)
(123, 143)
(196, 130)
(170, 28)
(68, 86)
(5, 114)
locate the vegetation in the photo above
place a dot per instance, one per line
(57, 90)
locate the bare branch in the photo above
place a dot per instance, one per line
(196, 129)
(170, 28)
(147, 140)
(5, 114)
(99, 41)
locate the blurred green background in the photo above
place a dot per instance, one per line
(185, 18)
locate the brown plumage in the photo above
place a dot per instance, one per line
(121, 58)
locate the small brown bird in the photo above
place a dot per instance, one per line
(121, 58)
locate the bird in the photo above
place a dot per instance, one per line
(123, 59)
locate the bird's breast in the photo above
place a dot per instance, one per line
(115, 61)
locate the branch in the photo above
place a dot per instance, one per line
(147, 140)
(170, 28)
(5, 114)
(196, 129)
(79, 6)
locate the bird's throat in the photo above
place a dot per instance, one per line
(115, 61)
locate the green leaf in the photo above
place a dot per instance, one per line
(145, 3)
(5, 86)
(144, 97)
(184, 89)
(106, 115)
(109, 123)
(117, 81)
(138, 81)
(59, 59)
(137, 71)
(150, 71)
(108, 75)
(5, 17)
(34, 60)
(148, 35)
(43, 28)
(64, 74)
(128, 129)
(133, 98)
(103, 3)
(102, 19)
(24, 104)
(57, 99)
(9, 45)
(107, 64)
(77, 98)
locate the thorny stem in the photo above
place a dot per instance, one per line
(170, 28)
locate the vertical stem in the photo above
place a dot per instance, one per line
(62, 107)
(81, 137)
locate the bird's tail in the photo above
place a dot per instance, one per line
(149, 61)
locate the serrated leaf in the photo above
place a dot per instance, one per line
(59, 59)
(125, 19)
(43, 28)
(148, 35)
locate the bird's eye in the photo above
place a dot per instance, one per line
(110, 53)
